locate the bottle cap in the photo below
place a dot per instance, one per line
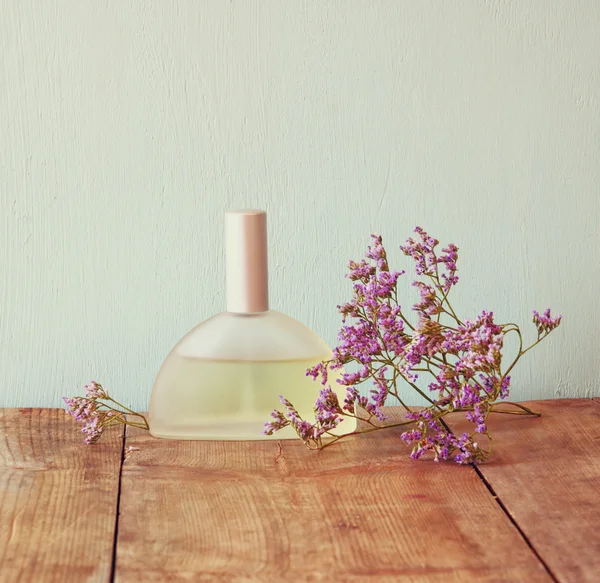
(246, 261)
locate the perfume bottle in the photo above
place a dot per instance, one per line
(223, 379)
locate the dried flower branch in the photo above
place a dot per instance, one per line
(98, 411)
(462, 359)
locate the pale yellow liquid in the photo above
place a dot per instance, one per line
(208, 399)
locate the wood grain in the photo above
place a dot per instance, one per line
(359, 511)
(546, 472)
(58, 499)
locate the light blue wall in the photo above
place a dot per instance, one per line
(128, 128)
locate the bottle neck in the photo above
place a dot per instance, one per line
(246, 262)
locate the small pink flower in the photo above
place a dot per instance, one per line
(545, 323)
(98, 411)
(95, 391)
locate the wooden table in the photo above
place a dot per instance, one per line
(134, 508)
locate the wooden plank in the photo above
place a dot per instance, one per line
(359, 511)
(546, 472)
(58, 499)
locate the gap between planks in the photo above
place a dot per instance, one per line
(561, 470)
(504, 509)
(113, 565)
(514, 522)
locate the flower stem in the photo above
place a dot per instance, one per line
(525, 410)
(369, 430)
(143, 424)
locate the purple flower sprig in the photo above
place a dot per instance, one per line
(99, 411)
(461, 359)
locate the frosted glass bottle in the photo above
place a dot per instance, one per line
(223, 379)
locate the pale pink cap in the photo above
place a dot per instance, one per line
(246, 261)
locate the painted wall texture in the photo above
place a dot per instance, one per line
(128, 128)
